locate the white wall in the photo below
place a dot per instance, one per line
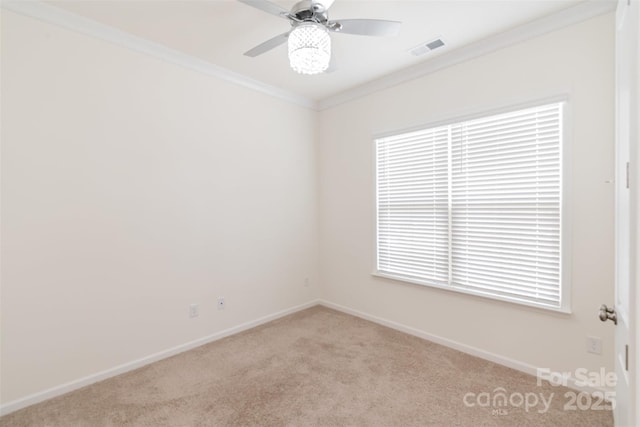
(131, 188)
(577, 60)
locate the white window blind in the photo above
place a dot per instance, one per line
(413, 211)
(475, 206)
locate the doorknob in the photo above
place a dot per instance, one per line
(607, 313)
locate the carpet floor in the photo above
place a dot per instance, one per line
(317, 367)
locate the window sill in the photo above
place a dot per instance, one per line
(413, 281)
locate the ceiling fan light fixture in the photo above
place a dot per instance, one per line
(309, 48)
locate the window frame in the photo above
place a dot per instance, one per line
(566, 261)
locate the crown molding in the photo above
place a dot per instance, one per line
(80, 24)
(51, 14)
(573, 15)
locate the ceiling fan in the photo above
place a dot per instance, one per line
(308, 39)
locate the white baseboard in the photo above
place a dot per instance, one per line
(572, 383)
(135, 364)
(99, 376)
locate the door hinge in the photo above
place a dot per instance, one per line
(626, 357)
(627, 174)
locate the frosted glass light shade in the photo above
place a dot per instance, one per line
(309, 48)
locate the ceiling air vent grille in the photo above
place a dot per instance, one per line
(426, 47)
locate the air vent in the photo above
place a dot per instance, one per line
(426, 47)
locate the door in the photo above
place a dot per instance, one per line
(627, 191)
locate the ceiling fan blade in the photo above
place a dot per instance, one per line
(268, 45)
(267, 6)
(326, 4)
(366, 27)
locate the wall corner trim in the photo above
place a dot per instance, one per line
(54, 15)
(71, 21)
(564, 18)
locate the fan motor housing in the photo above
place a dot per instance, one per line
(307, 10)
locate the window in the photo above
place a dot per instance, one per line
(476, 206)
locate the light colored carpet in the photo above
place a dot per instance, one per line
(317, 367)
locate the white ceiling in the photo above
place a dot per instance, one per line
(220, 31)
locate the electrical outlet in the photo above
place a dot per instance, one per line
(306, 282)
(221, 303)
(194, 310)
(594, 345)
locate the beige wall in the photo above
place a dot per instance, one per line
(577, 61)
(132, 188)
